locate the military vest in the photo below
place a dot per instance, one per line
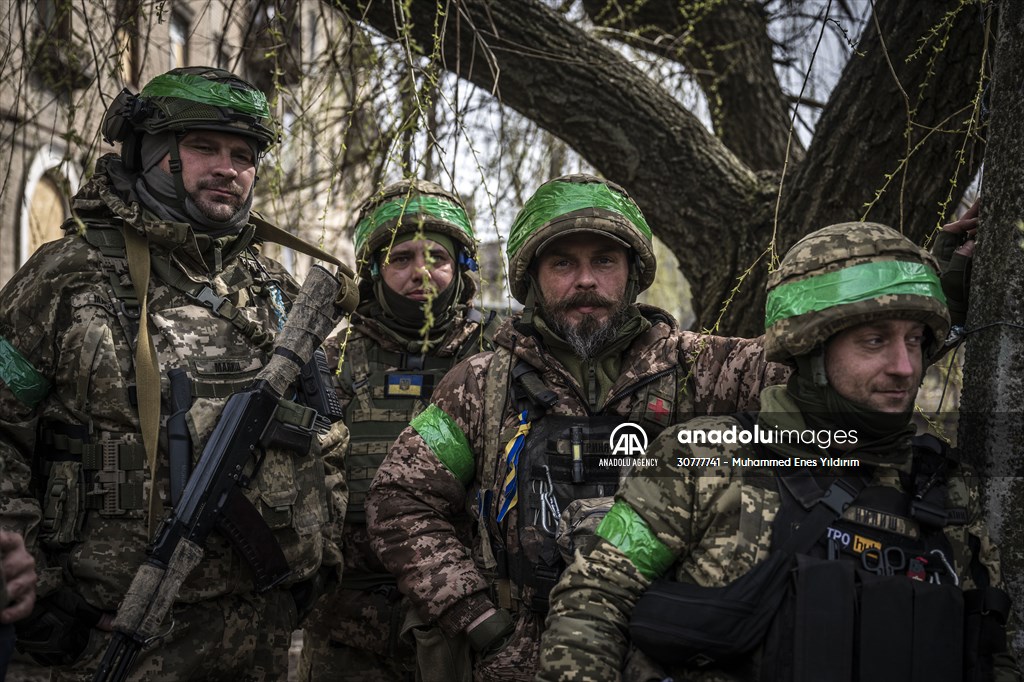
(385, 400)
(563, 460)
(102, 476)
(882, 581)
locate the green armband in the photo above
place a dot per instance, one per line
(446, 440)
(624, 528)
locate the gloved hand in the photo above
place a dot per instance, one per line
(57, 631)
(492, 633)
(954, 249)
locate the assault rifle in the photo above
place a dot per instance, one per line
(213, 496)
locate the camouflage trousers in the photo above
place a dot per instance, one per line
(232, 638)
(354, 635)
(519, 659)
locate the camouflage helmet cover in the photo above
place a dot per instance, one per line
(845, 275)
(409, 206)
(577, 203)
(193, 98)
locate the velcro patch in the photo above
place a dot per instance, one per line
(407, 385)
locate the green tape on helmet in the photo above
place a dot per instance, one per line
(199, 89)
(556, 199)
(433, 207)
(850, 285)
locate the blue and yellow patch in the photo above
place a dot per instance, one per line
(406, 385)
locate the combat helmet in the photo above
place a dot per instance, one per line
(411, 206)
(847, 274)
(578, 203)
(191, 98)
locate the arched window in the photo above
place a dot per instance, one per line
(44, 203)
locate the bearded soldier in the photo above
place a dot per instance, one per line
(516, 439)
(153, 309)
(416, 251)
(854, 552)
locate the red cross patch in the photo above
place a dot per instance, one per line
(659, 411)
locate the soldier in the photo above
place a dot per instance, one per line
(157, 294)
(416, 251)
(894, 569)
(516, 436)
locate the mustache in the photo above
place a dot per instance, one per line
(229, 186)
(580, 299)
(900, 386)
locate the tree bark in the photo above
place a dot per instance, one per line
(727, 49)
(706, 204)
(991, 419)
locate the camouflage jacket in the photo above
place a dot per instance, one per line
(362, 614)
(705, 525)
(78, 483)
(424, 496)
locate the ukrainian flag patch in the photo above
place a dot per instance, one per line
(405, 386)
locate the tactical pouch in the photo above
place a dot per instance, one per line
(685, 624)
(57, 631)
(985, 613)
(63, 504)
(577, 524)
(850, 624)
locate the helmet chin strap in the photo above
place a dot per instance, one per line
(174, 163)
(817, 361)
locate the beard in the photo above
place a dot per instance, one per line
(590, 335)
(226, 208)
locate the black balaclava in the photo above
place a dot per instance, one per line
(402, 316)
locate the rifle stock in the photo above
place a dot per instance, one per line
(212, 497)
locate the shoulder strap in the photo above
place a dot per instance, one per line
(269, 232)
(483, 341)
(829, 507)
(496, 385)
(147, 366)
(840, 495)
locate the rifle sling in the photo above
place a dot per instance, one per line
(241, 523)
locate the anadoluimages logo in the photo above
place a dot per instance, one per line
(628, 439)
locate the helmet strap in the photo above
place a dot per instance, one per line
(530, 305)
(817, 362)
(174, 163)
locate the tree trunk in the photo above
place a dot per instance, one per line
(703, 201)
(991, 419)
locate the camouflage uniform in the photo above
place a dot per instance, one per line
(711, 524)
(78, 483)
(364, 616)
(716, 525)
(384, 381)
(424, 502)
